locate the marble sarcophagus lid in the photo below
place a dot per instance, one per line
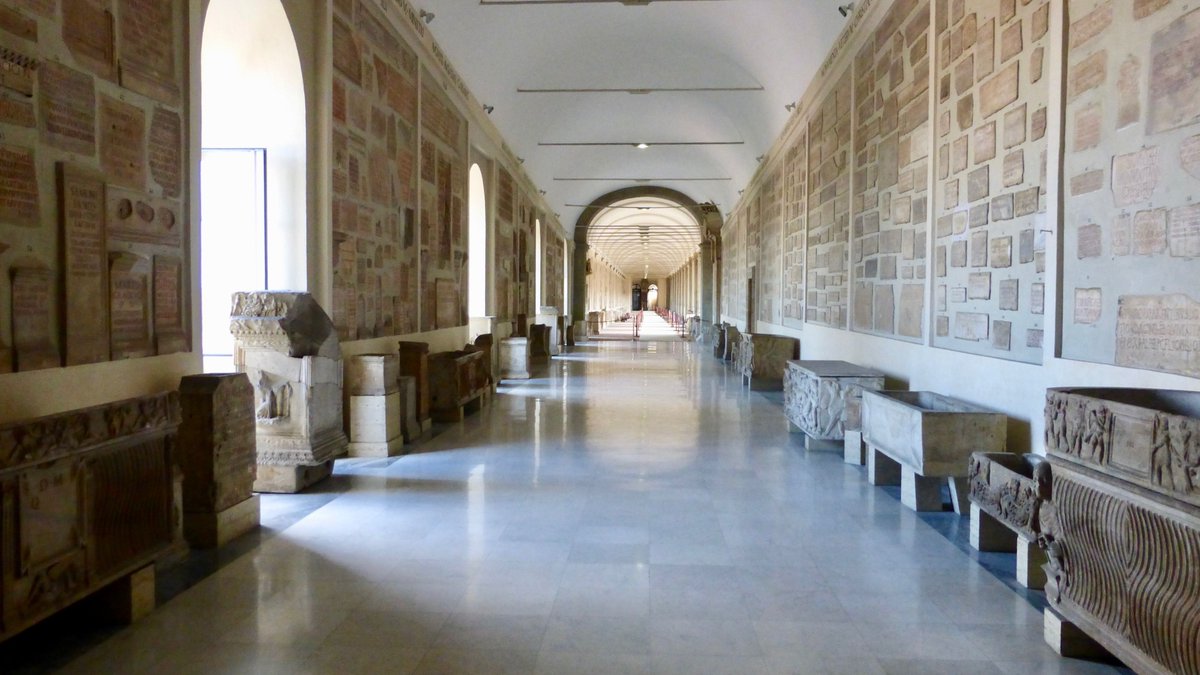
(1122, 528)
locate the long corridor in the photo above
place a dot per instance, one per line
(633, 509)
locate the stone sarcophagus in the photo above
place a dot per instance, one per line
(762, 360)
(88, 499)
(1122, 528)
(457, 384)
(921, 440)
(288, 347)
(1006, 492)
(824, 398)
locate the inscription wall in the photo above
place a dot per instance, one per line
(768, 275)
(891, 163)
(990, 167)
(553, 268)
(795, 175)
(443, 213)
(1132, 171)
(829, 207)
(92, 190)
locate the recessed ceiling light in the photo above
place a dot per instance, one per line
(641, 146)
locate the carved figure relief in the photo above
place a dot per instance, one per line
(273, 402)
(1175, 454)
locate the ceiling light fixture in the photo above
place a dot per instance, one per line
(790, 107)
(642, 146)
(845, 9)
(488, 108)
(427, 17)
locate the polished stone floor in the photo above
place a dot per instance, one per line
(632, 509)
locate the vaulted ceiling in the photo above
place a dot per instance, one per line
(577, 84)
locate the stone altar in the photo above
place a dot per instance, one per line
(539, 341)
(762, 360)
(288, 347)
(824, 398)
(373, 402)
(920, 440)
(1006, 491)
(457, 384)
(1121, 530)
(217, 451)
(414, 362)
(514, 358)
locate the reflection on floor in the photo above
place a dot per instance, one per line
(652, 328)
(631, 510)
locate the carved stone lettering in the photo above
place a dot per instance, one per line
(999, 91)
(1026, 246)
(1010, 42)
(1134, 177)
(1002, 335)
(1001, 252)
(1175, 74)
(1088, 305)
(1087, 74)
(1150, 232)
(971, 326)
(1009, 294)
(1184, 234)
(1189, 156)
(19, 203)
(1026, 202)
(1121, 234)
(1087, 127)
(1090, 25)
(1090, 242)
(1037, 298)
(1037, 124)
(979, 286)
(979, 215)
(978, 184)
(985, 50)
(958, 253)
(1129, 106)
(1014, 126)
(985, 142)
(88, 32)
(85, 261)
(129, 305)
(1144, 8)
(33, 346)
(1159, 332)
(16, 112)
(169, 334)
(67, 108)
(166, 142)
(979, 248)
(1089, 181)
(148, 48)
(1014, 168)
(122, 142)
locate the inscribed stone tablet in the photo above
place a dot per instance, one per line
(67, 108)
(912, 310)
(1033, 338)
(958, 294)
(1088, 305)
(123, 142)
(148, 48)
(1086, 182)
(169, 335)
(1037, 124)
(979, 248)
(964, 75)
(1175, 74)
(958, 253)
(1189, 156)
(1002, 335)
(1134, 176)
(979, 286)
(1026, 202)
(1089, 242)
(943, 326)
(31, 307)
(1037, 62)
(1185, 232)
(958, 222)
(978, 184)
(1037, 298)
(1129, 107)
(985, 142)
(1001, 251)
(1122, 235)
(1090, 25)
(979, 215)
(12, 21)
(971, 326)
(1144, 8)
(985, 49)
(966, 112)
(447, 303)
(1014, 168)
(1087, 74)
(887, 267)
(16, 112)
(1160, 332)
(885, 308)
(999, 91)
(129, 304)
(1002, 207)
(166, 142)
(1025, 240)
(137, 217)
(1087, 127)
(1009, 294)
(85, 258)
(1150, 232)
(939, 297)
(19, 203)
(951, 193)
(87, 28)
(1010, 42)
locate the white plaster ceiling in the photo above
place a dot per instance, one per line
(500, 46)
(645, 237)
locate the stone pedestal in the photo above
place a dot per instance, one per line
(1069, 640)
(539, 341)
(406, 389)
(217, 453)
(595, 321)
(854, 451)
(373, 401)
(514, 358)
(288, 347)
(414, 362)
(823, 398)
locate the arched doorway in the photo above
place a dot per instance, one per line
(477, 262)
(253, 191)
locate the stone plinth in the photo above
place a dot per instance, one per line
(539, 341)
(514, 358)
(373, 400)
(414, 363)
(823, 398)
(762, 360)
(1006, 492)
(217, 453)
(288, 347)
(1122, 529)
(929, 438)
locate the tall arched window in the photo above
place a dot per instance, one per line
(537, 265)
(477, 242)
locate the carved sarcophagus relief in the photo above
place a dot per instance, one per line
(86, 497)
(824, 398)
(1010, 488)
(762, 359)
(287, 345)
(1122, 530)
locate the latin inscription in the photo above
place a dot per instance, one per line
(1189, 156)
(1160, 332)
(1175, 74)
(1090, 242)
(122, 142)
(88, 32)
(1087, 75)
(166, 141)
(31, 307)
(1001, 252)
(979, 286)
(169, 336)
(129, 306)
(1088, 305)
(1009, 292)
(1150, 232)
(67, 108)
(19, 203)
(1134, 177)
(148, 48)
(1185, 231)
(971, 326)
(85, 258)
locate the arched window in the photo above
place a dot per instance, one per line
(477, 244)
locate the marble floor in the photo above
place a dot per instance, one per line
(632, 509)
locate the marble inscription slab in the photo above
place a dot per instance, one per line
(129, 306)
(87, 28)
(1175, 74)
(85, 265)
(19, 204)
(169, 309)
(67, 108)
(33, 345)
(165, 154)
(149, 53)
(123, 142)
(1159, 332)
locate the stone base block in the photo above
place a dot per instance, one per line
(390, 448)
(822, 444)
(290, 479)
(989, 534)
(213, 530)
(375, 419)
(1031, 561)
(129, 598)
(758, 383)
(1069, 640)
(853, 450)
(881, 469)
(920, 493)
